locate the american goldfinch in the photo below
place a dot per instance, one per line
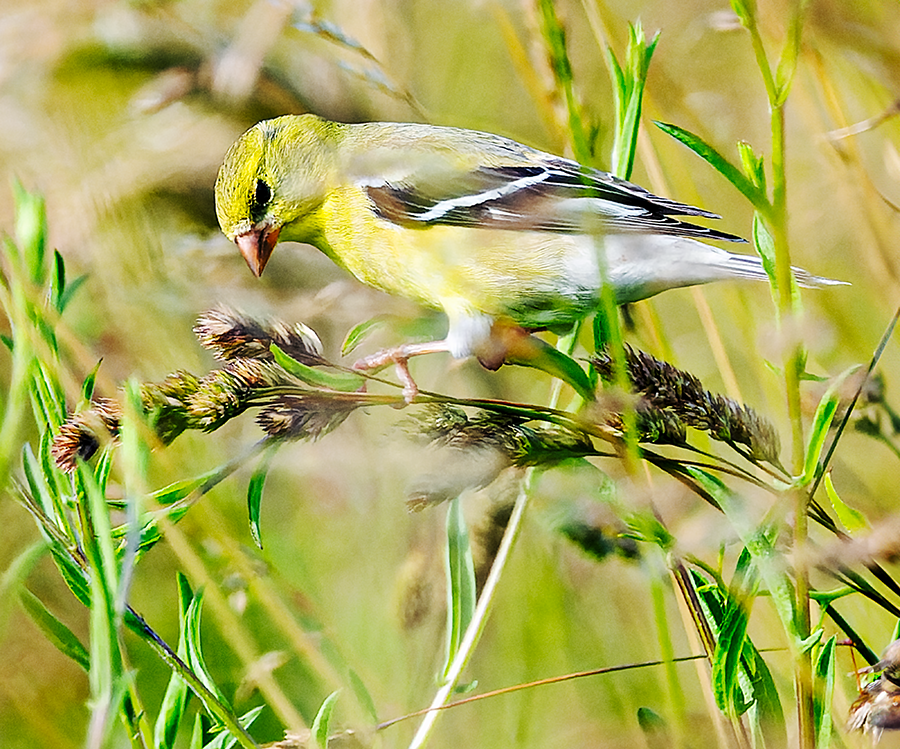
(503, 238)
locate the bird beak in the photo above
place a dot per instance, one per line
(256, 246)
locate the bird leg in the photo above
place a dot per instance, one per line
(399, 356)
(507, 342)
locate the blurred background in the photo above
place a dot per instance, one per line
(120, 113)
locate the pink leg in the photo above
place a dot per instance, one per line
(399, 356)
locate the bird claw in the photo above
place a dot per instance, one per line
(400, 359)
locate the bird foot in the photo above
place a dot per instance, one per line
(399, 356)
(400, 359)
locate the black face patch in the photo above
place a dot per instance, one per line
(262, 196)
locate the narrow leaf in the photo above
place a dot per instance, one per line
(718, 162)
(57, 280)
(460, 580)
(175, 699)
(225, 739)
(321, 725)
(363, 696)
(316, 376)
(727, 660)
(359, 332)
(87, 387)
(824, 694)
(194, 649)
(55, 631)
(554, 362)
(255, 491)
(37, 485)
(69, 292)
(744, 11)
(821, 423)
(852, 520)
(754, 166)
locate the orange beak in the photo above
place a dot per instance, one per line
(256, 246)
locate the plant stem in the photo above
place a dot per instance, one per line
(479, 620)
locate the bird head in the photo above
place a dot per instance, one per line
(272, 180)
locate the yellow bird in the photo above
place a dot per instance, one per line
(505, 239)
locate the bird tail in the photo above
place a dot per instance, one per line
(750, 266)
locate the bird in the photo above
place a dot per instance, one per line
(505, 239)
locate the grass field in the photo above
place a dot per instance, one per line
(115, 117)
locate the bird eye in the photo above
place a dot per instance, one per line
(263, 193)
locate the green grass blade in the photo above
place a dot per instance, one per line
(255, 491)
(363, 696)
(727, 660)
(460, 580)
(345, 382)
(825, 412)
(825, 668)
(175, 698)
(54, 630)
(359, 332)
(226, 739)
(321, 725)
(194, 650)
(715, 159)
(852, 520)
(554, 362)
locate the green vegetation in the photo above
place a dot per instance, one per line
(215, 536)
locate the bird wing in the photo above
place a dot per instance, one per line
(500, 184)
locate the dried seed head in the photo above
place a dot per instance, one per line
(310, 416)
(230, 335)
(84, 433)
(669, 389)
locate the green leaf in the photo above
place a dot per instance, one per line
(55, 631)
(754, 166)
(175, 699)
(37, 485)
(74, 576)
(554, 362)
(194, 649)
(87, 387)
(651, 723)
(765, 248)
(824, 693)
(225, 740)
(359, 332)
(808, 643)
(316, 376)
(760, 542)
(719, 163)
(57, 280)
(766, 714)
(321, 725)
(178, 490)
(628, 91)
(363, 696)
(197, 732)
(107, 670)
(787, 63)
(852, 520)
(47, 393)
(255, 491)
(70, 291)
(460, 580)
(555, 37)
(31, 231)
(819, 431)
(727, 660)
